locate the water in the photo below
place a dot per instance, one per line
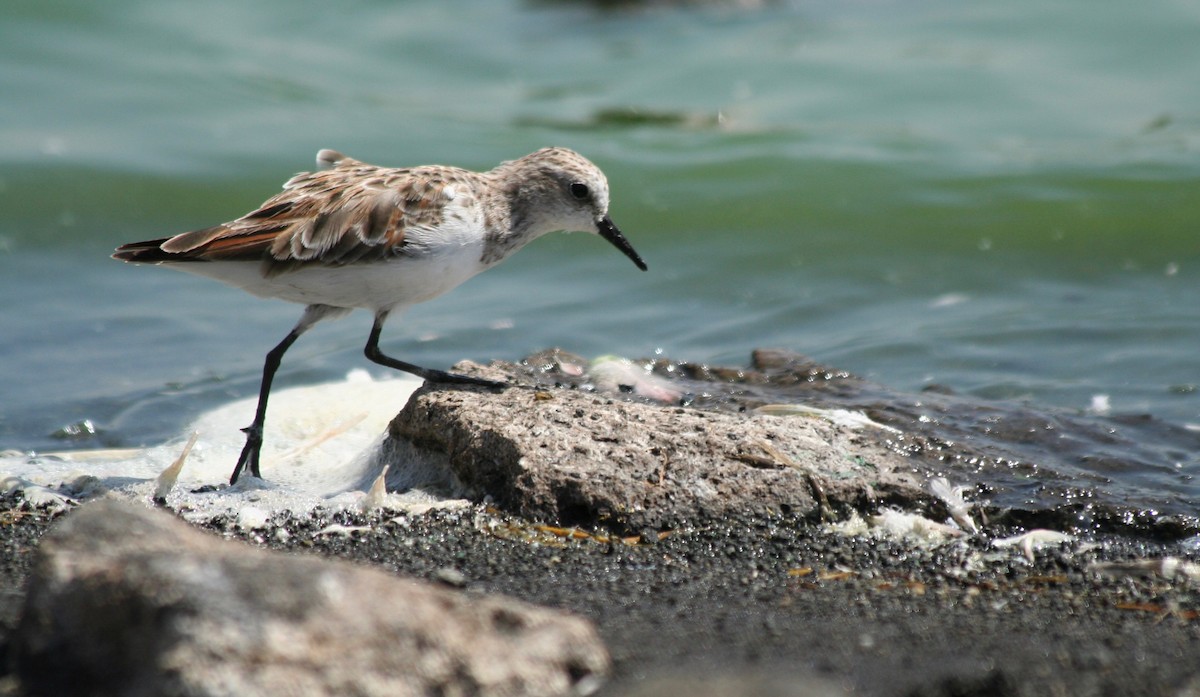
(996, 198)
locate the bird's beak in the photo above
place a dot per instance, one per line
(610, 232)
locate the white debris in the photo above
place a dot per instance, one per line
(1034, 539)
(838, 417)
(952, 496)
(415, 508)
(41, 497)
(895, 524)
(377, 495)
(340, 530)
(166, 479)
(252, 518)
(912, 526)
(613, 373)
(36, 495)
(853, 526)
(1167, 567)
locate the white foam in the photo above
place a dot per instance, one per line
(321, 448)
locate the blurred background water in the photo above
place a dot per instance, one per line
(999, 198)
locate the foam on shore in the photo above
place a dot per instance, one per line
(321, 447)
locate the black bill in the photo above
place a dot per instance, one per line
(610, 232)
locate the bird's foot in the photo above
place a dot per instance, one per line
(248, 460)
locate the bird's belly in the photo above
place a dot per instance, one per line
(371, 285)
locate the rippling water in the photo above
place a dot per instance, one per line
(1001, 199)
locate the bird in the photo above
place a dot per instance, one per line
(351, 235)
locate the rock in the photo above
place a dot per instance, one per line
(130, 601)
(759, 684)
(580, 458)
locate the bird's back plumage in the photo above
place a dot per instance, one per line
(350, 213)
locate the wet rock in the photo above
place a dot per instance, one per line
(1031, 466)
(581, 458)
(126, 600)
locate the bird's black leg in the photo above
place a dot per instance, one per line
(374, 354)
(254, 432)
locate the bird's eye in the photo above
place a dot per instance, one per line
(579, 190)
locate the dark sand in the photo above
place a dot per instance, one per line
(784, 606)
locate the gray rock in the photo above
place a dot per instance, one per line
(736, 685)
(125, 600)
(578, 457)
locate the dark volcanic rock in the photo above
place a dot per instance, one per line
(125, 600)
(577, 457)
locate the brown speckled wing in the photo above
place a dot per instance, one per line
(353, 212)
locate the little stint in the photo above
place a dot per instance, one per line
(359, 236)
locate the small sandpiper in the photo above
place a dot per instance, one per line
(355, 235)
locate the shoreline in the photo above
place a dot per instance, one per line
(722, 551)
(776, 607)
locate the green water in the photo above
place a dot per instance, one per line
(1001, 198)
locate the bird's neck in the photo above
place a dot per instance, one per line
(518, 219)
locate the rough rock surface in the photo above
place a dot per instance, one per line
(578, 457)
(125, 600)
